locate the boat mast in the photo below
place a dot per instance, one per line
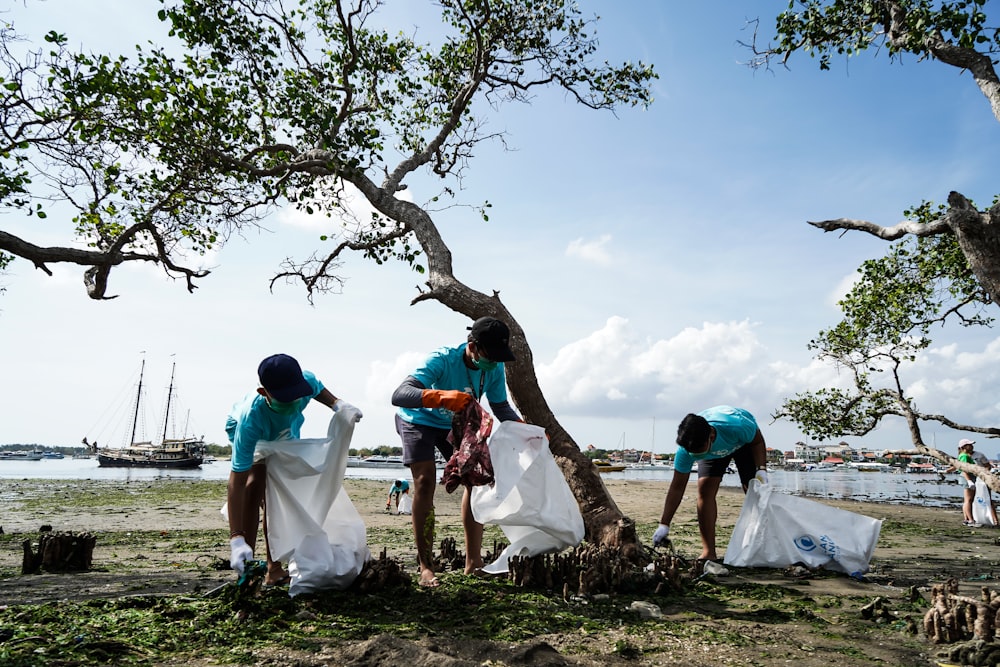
(652, 443)
(138, 400)
(166, 412)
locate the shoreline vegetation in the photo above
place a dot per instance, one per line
(160, 592)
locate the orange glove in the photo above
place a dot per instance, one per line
(449, 399)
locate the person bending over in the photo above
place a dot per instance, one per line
(712, 438)
(273, 412)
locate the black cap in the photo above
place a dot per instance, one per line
(492, 336)
(282, 377)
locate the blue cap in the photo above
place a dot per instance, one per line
(282, 377)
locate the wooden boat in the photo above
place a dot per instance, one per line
(607, 466)
(168, 453)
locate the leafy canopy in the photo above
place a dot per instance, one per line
(261, 102)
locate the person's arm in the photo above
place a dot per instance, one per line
(412, 394)
(236, 501)
(409, 394)
(326, 398)
(675, 493)
(504, 412)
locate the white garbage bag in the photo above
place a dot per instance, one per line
(981, 504)
(405, 504)
(311, 521)
(775, 529)
(530, 499)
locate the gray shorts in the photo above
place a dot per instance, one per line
(419, 442)
(742, 457)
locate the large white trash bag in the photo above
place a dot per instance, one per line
(981, 504)
(777, 530)
(311, 521)
(530, 499)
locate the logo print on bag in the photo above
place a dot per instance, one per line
(805, 543)
(808, 543)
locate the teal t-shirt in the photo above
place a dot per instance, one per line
(734, 427)
(251, 421)
(445, 369)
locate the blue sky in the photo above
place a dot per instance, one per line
(659, 261)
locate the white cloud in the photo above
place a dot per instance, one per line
(594, 250)
(385, 376)
(616, 373)
(841, 289)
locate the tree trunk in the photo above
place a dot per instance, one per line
(605, 524)
(978, 235)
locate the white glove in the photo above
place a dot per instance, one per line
(341, 404)
(240, 553)
(970, 484)
(761, 476)
(660, 536)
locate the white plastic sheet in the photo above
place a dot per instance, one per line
(981, 504)
(311, 522)
(530, 499)
(777, 530)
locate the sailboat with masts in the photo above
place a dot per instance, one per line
(169, 453)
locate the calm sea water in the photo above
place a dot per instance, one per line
(918, 489)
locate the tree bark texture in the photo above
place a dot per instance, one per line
(604, 522)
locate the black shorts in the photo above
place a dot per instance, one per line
(419, 442)
(742, 457)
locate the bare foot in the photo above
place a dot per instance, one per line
(473, 566)
(428, 579)
(277, 576)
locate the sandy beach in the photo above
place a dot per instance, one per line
(147, 545)
(31, 504)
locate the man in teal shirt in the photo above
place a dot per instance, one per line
(427, 399)
(273, 412)
(712, 438)
(399, 488)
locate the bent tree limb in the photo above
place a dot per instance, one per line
(977, 233)
(988, 476)
(99, 262)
